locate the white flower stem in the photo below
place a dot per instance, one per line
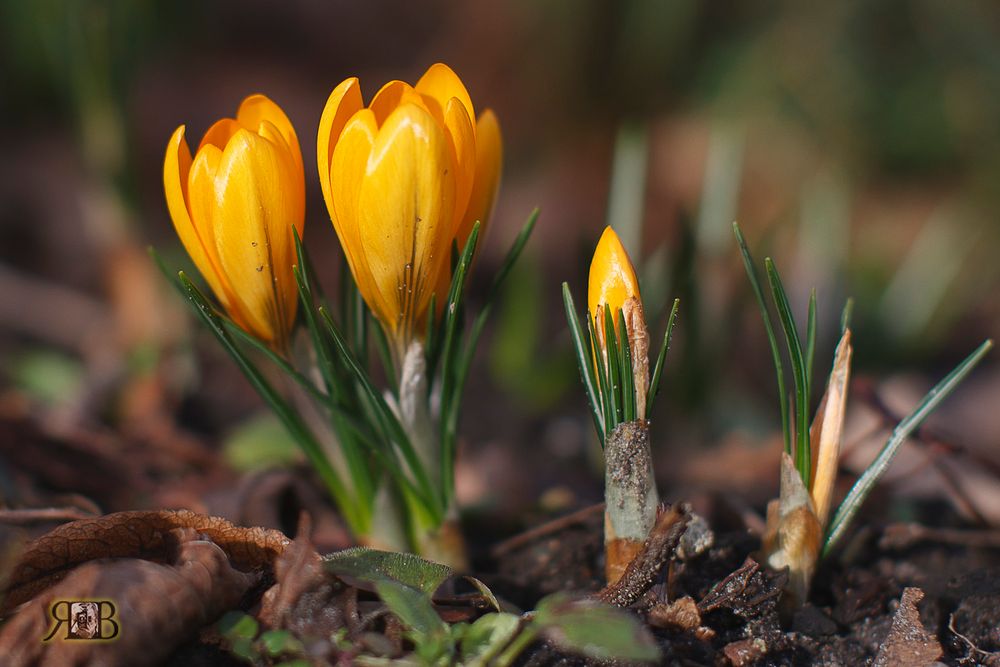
(441, 542)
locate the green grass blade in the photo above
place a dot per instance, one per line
(584, 358)
(324, 355)
(249, 338)
(337, 386)
(387, 419)
(359, 322)
(452, 324)
(803, 456)
(288, 417)
(432, 341)
(603, 380)
(845, 315)
(654, 384)
(810, 338)
(302, 273)
(614, 365)
(779, 369)
(452, 320)
(625, 365)
(856, 496)
(463, 362)
(276, 359)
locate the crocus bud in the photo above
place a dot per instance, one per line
(613, 284)
(234, 206)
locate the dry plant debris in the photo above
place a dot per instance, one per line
(908, 644)
(642, 572)
(156, 535)
(162, 604)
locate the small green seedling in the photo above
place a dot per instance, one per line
(799, 531)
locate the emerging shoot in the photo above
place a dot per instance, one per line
(613, 355)
(799, 529)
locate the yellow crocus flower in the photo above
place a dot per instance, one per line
(234, 206)
(402, 178)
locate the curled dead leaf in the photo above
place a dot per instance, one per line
(155, 535)
(157, 607)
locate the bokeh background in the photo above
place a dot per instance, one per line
(858, 143)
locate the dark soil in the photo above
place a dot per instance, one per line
(857, 613)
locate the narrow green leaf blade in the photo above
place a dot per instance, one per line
(614, 365)
(388, 420)
(463, 361)
(603, 380)
(856, 496)
(803, 457)
(284, 412)
(845, 315)
(772, 340)
(625, 363)
(654, 383)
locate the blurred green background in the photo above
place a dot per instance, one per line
(858, 143)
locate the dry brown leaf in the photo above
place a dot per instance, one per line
(297, 571)
(794, 535)
(147, 535)
(682, 614)
(158, 607)
(827, 442)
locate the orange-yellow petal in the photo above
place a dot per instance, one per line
(256, 209)
(202, 204)
(406, 206)
(344, 102)
(257, 109)
(349, 164)
(195, 232)
(391, 96)
(295, 186)
(176, 166)
(201, 195)
(219, 134)
(486, 182)
(612, 277)
(462, 136)
(441, 83)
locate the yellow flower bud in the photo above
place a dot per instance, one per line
(402, 178)
(234, 206)
(612, 277)
(613, 283)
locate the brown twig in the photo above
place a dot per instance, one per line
(642, 572)
(905, 535)
(541, 532)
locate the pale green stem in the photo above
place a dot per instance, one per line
(439, 542)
